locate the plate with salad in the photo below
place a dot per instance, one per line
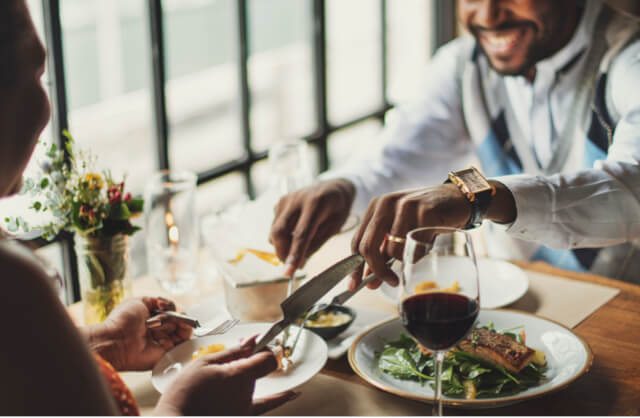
(481, 371)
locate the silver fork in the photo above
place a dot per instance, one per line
(220, 329)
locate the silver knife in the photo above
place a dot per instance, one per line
(308, 294)
(337, 300)
(346, 295)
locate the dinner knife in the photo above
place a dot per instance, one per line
(341, 298)
(308, 294)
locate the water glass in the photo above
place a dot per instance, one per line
(290, 167)
(172, 230)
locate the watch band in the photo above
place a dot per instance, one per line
(480, 200)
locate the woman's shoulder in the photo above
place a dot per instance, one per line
(20, 272)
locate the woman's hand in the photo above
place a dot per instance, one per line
(222, 384)
(125, 341)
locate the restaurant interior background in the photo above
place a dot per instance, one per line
(229, 78)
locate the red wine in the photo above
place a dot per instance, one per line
(439, 320)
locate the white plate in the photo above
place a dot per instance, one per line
(308, 359)
(568, 357)
(501, 283)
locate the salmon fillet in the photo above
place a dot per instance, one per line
(497, 349)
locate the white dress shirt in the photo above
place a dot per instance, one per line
(580, 207)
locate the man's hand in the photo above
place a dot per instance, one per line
(307, 218)
(125, 341)
(396, 214)
(222, 384)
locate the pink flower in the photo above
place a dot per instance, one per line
(115, 197)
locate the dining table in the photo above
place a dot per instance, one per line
(610, 387)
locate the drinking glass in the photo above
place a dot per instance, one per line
(172, 230)
(439, 292)
(290, 167)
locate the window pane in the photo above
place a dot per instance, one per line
(202, 86)
(409, 40)
(108, 84)
(51, 255)
(107, 69)
(353, 58)
(280, 71)
(350, 143)
(218, 194)
(261, 177)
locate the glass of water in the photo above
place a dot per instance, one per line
(172, 230)
(289, 165)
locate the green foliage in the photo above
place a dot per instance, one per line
(79, 199)
(403, 360)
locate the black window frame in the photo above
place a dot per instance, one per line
(443, 28)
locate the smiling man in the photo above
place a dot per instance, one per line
(543, 95)
(516, 35)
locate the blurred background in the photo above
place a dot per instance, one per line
(210, 85)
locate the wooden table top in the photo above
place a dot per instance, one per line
(611, 387)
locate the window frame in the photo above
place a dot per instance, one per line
(443, 28)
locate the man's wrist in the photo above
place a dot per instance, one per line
(503, 206)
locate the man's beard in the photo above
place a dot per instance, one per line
(530, 62)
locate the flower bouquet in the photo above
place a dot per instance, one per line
(97, 209)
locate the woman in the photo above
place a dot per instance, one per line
(47, 365)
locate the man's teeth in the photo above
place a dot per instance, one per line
(502, 40)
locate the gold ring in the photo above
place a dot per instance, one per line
(398, 240)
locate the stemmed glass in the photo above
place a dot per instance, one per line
(439, 296)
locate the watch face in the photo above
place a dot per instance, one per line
(474, 180)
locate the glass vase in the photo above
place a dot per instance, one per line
(103, 270)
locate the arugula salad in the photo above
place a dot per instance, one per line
(464, 375)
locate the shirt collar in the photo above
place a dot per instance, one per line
(578, 43)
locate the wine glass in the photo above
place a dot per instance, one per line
(439, 295)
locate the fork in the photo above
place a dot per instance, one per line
(220, 329)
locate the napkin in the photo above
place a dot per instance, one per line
(564, 300)
(229, 234)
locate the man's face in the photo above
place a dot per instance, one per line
(515, 34)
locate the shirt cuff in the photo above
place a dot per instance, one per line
(534, 204)
(361, 200)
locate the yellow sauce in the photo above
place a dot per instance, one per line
(268, 257)
(328, 319)
(430, 286)
(209, 349)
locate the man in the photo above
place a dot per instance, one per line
(543, 95)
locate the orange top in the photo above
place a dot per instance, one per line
(121, 393)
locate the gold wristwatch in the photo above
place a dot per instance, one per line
(477, 190)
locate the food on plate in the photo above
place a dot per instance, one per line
(498, 349)
(488, 363)
(327, 319)
(431, 286)
(271, 258)
(208, 349)
(282, 354)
